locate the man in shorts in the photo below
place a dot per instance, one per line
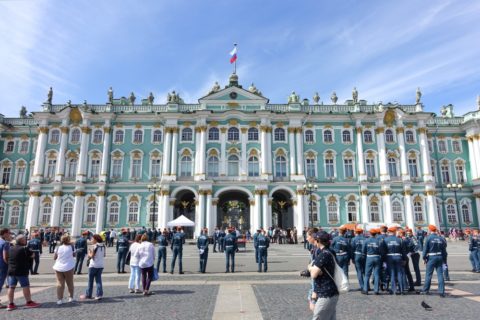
(4, 249)
(19, 259)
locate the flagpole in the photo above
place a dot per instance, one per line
(235, 64)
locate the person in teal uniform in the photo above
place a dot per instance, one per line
(162, 241)
(435, 257)
(81, 248)
(230, 245)
(36, 247)
(178, 240)
(262, 244)
(123, 245)
(202, 245)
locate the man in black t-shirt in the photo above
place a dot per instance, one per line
(19, 260)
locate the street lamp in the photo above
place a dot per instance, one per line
(3, 189)
(154, 188)
(455, 188)
(309, 188)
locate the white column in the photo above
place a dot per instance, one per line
(361, 160)
(56, 208)
(302, 216)
(403, 154)
(198, 154)
(203, 148)
(387, 207)
(382, 154)
(292, 152)
(40, 154)
(105, 153)
(269, 151)
(264, 151)
(476, 149)
(258, 204)
(82, 164)
(426, 165)
(299, 220)
(33, 208)
(299, 147)
(477, 203)
(432, 208)
(78, 205)
(243, 166)
(214, 212)
(364, 201)
(163, 214)
(200, 213)
(166, 152)
(100, 211)
(253, 220)
(174, 164)
(208, 212)
(223, 151)
(407, 202)
(266, 223)
(60, 170)
(473, 159)
(159, 221)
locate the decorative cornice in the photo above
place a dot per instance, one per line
(430, 192)
(43, 130)
(86, 130)
(422, 130)
(107, 129)
(101, 193)
(35, 193)
(407, 192)
(364, 192)
(57, 193)
(64, 129)
(79, 193)
(165, 192)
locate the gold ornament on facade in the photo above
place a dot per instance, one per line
(258, 191)
(223, 129)
(47, 200)
(389, 117)
(280, 124)
(232, 150)
(41, 130)
(35, 193)
(157, 125)
(114, 198)
(252, 124)
(374, 199)
(351, 198)
(280, 152)
(244, 130)
(364, 192)
(64, 129)
(213, 152)
(186, 152)
(86, 130)
(310, 154)
(251, 202)
(165, 192)
(213, 123)
(422, 130)
(79, 193)
(299, 130)
(91, 199)
(253, 152)
(58, 193)
(264, 192)
(370, 155)
(346, 125)
(119, 125)
(309, 125)
(101, 193)
(409, 125)
(233, 122)
(24, 137)
(300, 192)
(329, 155)
(400, 130)
(75, 116)
(385, 192)
(52, 155)
(407, 192)
(107, 129)
(138, 125)
(379, 130)
(430, 192)
(291, 130)
(359, 129)
(134, 199)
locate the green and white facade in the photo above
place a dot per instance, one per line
(234, 158)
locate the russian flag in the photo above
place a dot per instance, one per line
(233, 54)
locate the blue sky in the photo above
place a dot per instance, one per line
(384, 48)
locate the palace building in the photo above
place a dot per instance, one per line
(236, 159)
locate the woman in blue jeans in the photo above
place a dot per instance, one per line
(95, 268)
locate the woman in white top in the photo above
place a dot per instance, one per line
(64, 267)
(134, 268)
(96, 256)
(146, 257)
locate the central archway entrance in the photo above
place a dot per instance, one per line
(282, 210)
(233, 210)
(185, 204)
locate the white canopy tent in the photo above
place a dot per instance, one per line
(181, 221)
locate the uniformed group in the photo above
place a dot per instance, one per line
(385, 253)
(474, 249)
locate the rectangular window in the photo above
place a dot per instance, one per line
(412, 167)
(51, 168)
(24, 147)
(310, 168)
(20, 176)
(370, 168)
(348, 167)
(459, 171)
(136, 168)
(456, 146)
(95, 168)
(117, 168)
(156, 168)
(329, 169)
(6, 175)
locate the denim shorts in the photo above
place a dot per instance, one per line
(23, 280)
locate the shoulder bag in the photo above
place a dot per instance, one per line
(339, 277)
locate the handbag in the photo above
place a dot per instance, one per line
(339, 277)
(127, 259)
(155, 274)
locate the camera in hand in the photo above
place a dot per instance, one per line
(305, 273)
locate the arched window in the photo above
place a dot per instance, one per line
(310, 168)
(346, 136)
(374, 212)
(213, 134)
(233, 163)
(332, 210)
(75, 136)
(279, 134)
(136, 171)
(367, 136)
(119, 135)
(24, 147)
(10, 146)
(187, 134)
(466, 213)
(456, 146)
(253, 167)
(397, 211)
(71, 169)
(309, 136)
(46, 213)
(442, 146)
(186, 166)
(418, 210)
(113, 213)
(389, 136)
(252, 134)
(392, 167)
(54, 136)
(233, 134)
(212, 166)
(327, 136)
(67, 213)
(138, 136)
(133, 212)
(157, 136)
(91, 212)
(451, 213)
(352, 211)
(280, 166)
(445, 169)
(14, 215)
(409, 136)
(97, 136)
(460, 171)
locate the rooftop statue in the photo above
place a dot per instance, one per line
(355, 95)
(50, 96)
(151, 98)
(293, 98)
(69, 103)
(23, 112)
(419, 96)
(478, 102)
(316, 98)
(334, 97)
(132, 98)
(253, 89)
(174, 98)
(215, 88)
(447, 111)
(110, 95)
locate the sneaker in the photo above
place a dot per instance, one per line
(59, 302)
(132, 291)
(11, 306)
(32, 304)
(99, 298)
(84, 297)
(71, 300)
